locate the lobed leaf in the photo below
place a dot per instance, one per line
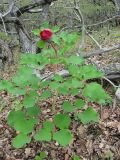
(62, 121)
(88, 115)
(20, 140)
(63, 137)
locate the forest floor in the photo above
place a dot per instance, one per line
(100, 141)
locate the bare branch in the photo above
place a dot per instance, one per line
(81, 20)
(94, 40)
(102, 22)
(95, 24)
(3, 23)
(110, 82)
(38, 3)
(9, 10)
(101, 51)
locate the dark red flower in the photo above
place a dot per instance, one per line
(46, 34)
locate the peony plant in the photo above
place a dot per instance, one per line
(24, 117)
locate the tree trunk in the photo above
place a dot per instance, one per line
(26, 44)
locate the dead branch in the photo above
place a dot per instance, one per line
(101, 51)
(26, 8)
(9, 10)
(81, 20)
(92, 25)
(105, 21)
(96, 42)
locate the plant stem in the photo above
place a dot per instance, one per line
(55, 49)
(56, 54)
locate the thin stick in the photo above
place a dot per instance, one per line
(111, 82)
(3, 24)
(94, 40)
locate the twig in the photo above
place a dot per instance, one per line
(95, 24)
(9, 10)
(111, 82)
(98, 23)
(81, 20)
(101, 51)
(94, 40)
(3, 24)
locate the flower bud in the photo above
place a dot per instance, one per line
(46, 34)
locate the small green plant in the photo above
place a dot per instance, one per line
(32, 89)
(41, 156)
(75, 157)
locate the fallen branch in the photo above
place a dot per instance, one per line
(26, 8)
(104, 21)
(96, 42)
(101, 51)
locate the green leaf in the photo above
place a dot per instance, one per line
(76, 157)
(43, 135)
(29, 101)
(24, 76)
(20, 140)
(63, 137)
(33, 111)
(41, 44)
(75, 60)
(36, 32)
(26, 71)
(54, 85)
(14, 116)
(79, 103)
(74, 70)
(45, 95)
(16, 91)
(48, 126)
(5, 85)
(24, 126)
(90, 72)
(43, 155)
(31, 59)
(58, 78)
(67, 107)
(74, 91)
(66, 84)
(76, 83)
(88, 115)
(45, 25)
(63, 90)
(55, 28)
(56, 39)
(94, 92)
(63, 35)
(72, 37)
(62, 121)
(37, 158)
(44, 84)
